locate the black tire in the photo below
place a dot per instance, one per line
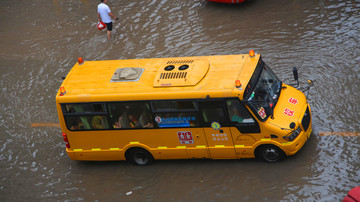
(139, 156)
(271, 153)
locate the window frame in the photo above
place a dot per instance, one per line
(223, 107)
(198, 105)
(245, 127)
(85, 114)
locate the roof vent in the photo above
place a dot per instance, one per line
(180, 62)
(183, 67)
(181, 73)
(127, 74)
(169, 67)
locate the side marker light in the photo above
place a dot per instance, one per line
(251, 53)
(62, 91)
(237, 83)
(80, 61)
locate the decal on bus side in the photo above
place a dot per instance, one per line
(220, 137)
(262, 113)
(164, 122)
(215, 125)
(185, 137)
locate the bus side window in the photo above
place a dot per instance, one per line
(130, 115)
(74, 123)
(84, 108)
(212, 114)
(85, 116)
(77, 122)
(237, 112)
(212, 111)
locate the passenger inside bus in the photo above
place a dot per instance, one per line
(99, 122)
(145, 120)
(134, 123)
(123, 121)
(235, 115)
(132, 115)
(77, 124)
(238, 113)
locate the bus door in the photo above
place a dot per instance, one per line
(218, 134)
(244, 128)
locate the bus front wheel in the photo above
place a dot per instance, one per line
(139, 156)
(271, 153)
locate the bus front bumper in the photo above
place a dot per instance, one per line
(291, 148)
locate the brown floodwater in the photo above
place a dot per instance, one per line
(41, 40)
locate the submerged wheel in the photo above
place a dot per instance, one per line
(271, 154)
(139, 156)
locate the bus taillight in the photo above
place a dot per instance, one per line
(66, 140)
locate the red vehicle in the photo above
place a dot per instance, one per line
(353, 195)
(228, 1)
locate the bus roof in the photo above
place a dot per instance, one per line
(158, 78)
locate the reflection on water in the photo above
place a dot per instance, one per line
(319, 37)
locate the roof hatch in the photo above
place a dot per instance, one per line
(181, 72)
(127, 74)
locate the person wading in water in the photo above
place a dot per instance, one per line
(105, 15)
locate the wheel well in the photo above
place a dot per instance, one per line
(258, 149)
(128, 151)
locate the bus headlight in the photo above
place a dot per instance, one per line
(293, 134)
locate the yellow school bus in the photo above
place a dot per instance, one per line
(216, 107)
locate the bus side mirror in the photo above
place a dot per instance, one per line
(295, 72)
(292, 125)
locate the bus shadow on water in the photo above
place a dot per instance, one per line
(203, 162)
(193, 162)
(169, 162)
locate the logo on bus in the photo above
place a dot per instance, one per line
(215, 125)
(185, 137)
(157, 119)
(289, 112)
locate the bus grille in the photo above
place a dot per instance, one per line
(306, 119)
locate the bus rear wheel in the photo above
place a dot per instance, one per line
(139, 156)
(271, 153)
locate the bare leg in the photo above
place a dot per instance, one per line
(108, 34)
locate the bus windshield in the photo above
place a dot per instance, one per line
(263, 91)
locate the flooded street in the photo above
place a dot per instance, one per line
(41, 40)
